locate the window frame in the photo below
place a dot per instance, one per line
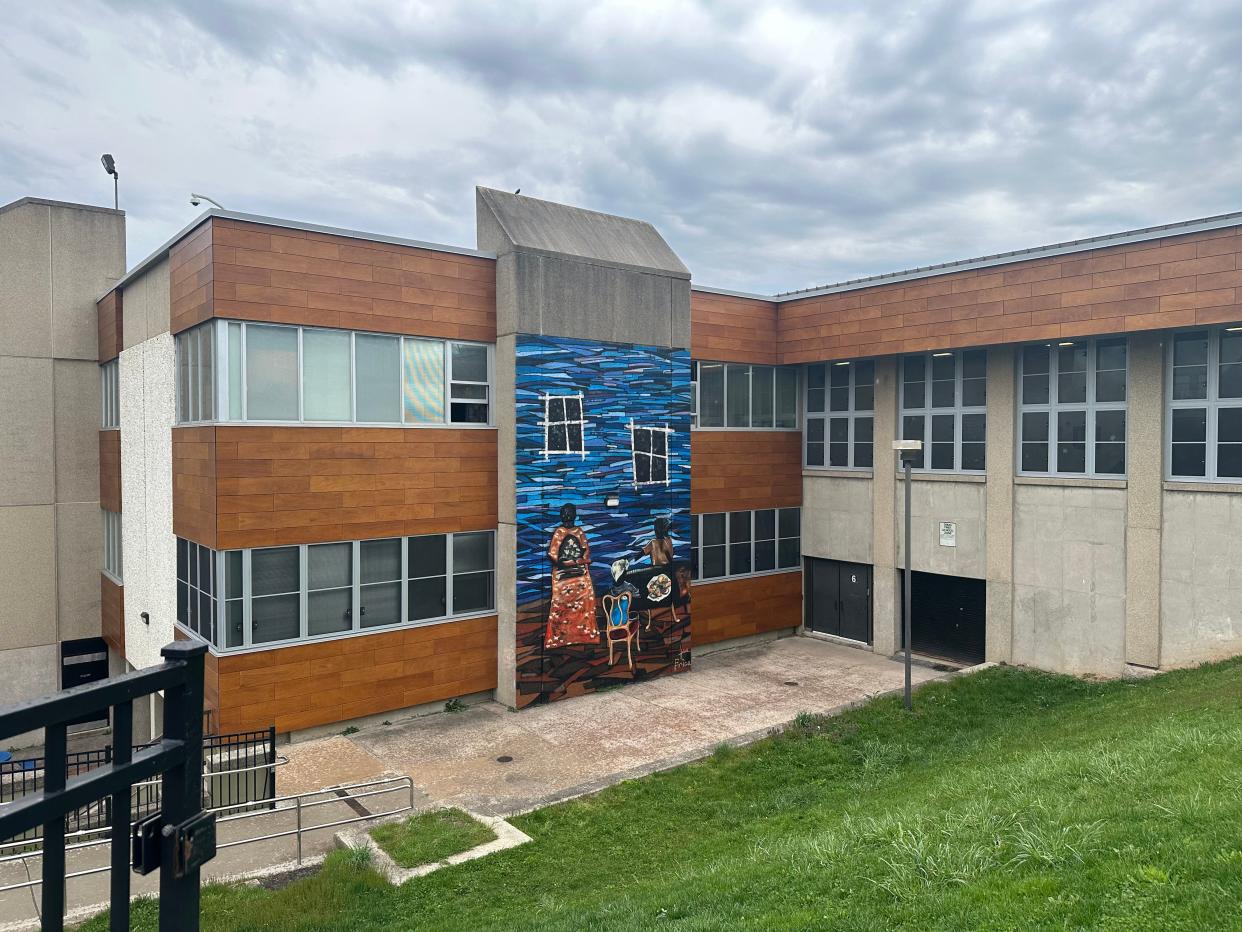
(956, 410)
(110, 395)
(1211, 404)
(852, 414)
(696, 396)
(112, 563)
(667, 455)
(779, 530)
(223, 381)
(580, 420)
(221, 598)
(1054, 407)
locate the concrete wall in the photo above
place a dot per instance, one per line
(147, 418)
(933, 501)
(836, 518)
(55, 261)
(147, 306)
(1069, 575)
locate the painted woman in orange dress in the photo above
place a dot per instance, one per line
(571, 616)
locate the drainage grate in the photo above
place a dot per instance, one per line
(504, 759)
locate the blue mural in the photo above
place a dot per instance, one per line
(602, 586)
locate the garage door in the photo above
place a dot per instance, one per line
(947, 616)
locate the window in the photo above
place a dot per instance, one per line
(109, 396)
(1205, 405)
(112, 545)
(274, 595)
(840, 398)
(649, 447)
(944, 404)
(1072, 409)
(267, 372)
(745, 543)
(196, 578)
(734, 395)
(563, 424)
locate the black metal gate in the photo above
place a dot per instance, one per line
(948, 616)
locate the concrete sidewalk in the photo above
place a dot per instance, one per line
(578, 745)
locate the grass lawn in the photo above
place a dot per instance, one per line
(1009, 799)
(431, 836)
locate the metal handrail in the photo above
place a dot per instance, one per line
(298, 831)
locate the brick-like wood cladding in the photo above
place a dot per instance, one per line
(1173, 282)
(110, 470)
(739, 469)
(724, 328)
(253, 486)
(317, 684)
(108, 309)
(112, 614)
(742, 607)
(250, 271)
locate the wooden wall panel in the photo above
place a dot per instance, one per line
(191, 278)
(735, 470)
(194, 484)
(110, 470)
(112, 614)
(282, 275)
(108, 309)
(319, 684)
(724, 328)
(1178, 281)
(740, 607)
(281, 485)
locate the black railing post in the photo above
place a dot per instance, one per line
(182, 785)
(54, 773)
(123, 753)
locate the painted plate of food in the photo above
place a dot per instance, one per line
(658, 588)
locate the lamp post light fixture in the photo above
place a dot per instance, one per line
(109, 165)
(907, 450)
(196, 199)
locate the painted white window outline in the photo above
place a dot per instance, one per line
(652, 460)
(557, 410)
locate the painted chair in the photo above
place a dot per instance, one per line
(619, 625)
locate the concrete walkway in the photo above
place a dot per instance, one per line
(578, 745)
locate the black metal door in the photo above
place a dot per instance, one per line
(948, 617)
(838, 599)
(856, 602)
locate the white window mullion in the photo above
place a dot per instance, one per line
(246, 599)
(405, 579)
(448, 575)
(356, 593)
(303, 587)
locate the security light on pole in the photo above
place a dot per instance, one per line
(109, 165)
(907, 450)
(196, 199)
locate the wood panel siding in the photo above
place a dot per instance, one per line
(191, 278)
(1178, 281)
(736, 470)
(251, 271)
(108, 309)
(110, 470)
(194, 484)
(741, 607)
(112, 614)
(265, 486)
(333, 681)
(724, 328)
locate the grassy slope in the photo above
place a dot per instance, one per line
(1009, 799)
(431, 836)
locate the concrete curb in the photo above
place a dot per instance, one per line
(506, 837)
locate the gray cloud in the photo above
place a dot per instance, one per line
(776, 146)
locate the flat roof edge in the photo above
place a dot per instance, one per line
(707, 289)
(206, 215)
(68, 205)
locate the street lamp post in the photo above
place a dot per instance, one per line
(907, 450)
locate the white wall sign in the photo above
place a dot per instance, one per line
(948, 534)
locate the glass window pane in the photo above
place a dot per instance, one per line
(815, 376)
(472, 592)
(912, 426)
(1189, 382)
(974, 428)
(274, 618)
(787, 552)
(379, 604)
(739, 526)
(1110, 385)
(379, 560)
(1110, 458)
(274, 570)
(713, 529)
(864, 385)
(913, 394)
(814, 453)
(1110, 426)
(426, 555)
(329, 611)
(790, 522)
(943, 367)
(1189, 459)
(765, 555)
(1230, 381)
(1071, 442)
(975, 364)
(377, 374)
(207, 372)
(765, 524)
(1035, 389)
(233, 574)
(234, 632)
(1110, 354)
(1189, 425)
(1229, 460)
(711, 395)
(427, 598)
(863, 427)
(974, 393)
(1035, 360)
(974, 456)
(1035, 457)
(1190, 349)
(271, 373)
(1034, 426)
(713, 562)
(1229, 425)
(1071, 387)
(469, 362)
(235, 372)
(329, 566)
(326, 389)
(472, 552)
(787, 397)
(1230, 347)
(739, 559)
(863, 453)
(762, 396)
(738, 414)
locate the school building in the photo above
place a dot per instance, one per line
(377, 474)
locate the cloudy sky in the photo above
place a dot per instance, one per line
(775, 145)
